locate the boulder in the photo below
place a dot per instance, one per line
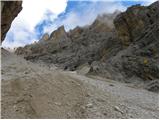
(83, 69)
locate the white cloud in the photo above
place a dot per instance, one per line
(23, 27)
(34, 10)
(148, 2)
(90, 12)
(87, 16)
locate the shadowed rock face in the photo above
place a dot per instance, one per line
(121, 47)
(10, 10)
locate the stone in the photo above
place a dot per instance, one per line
(57, 103)
(153, 86)
(118, 109)
(83, 69)
(89, 105)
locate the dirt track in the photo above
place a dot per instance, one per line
(36, 91)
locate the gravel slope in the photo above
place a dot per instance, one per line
(36, 91)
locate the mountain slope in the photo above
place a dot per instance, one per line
(32, 90)
(117, 46)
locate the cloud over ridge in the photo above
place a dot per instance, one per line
(40, 16)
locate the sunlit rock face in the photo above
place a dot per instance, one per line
(9, 10)
(58, 34)
(45, 37)
(60, 37)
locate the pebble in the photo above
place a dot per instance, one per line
(57, 103)
(87, 95)
(26, 72)
(111, 85)
(105, 113)
(89, 105)
(118, 109)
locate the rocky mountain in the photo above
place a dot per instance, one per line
(9, 10)
(73, 48)
(119, 46)
(36, 91)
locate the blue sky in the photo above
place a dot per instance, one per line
(46, 16)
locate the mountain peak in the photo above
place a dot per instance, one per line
(60, 33)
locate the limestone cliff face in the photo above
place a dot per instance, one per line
(129, 24)
(9, 10)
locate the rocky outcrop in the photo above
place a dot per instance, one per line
(140, 26)
(122, 47)
(129, 24)
(59, 34)
(9, 10)
(60, 37)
